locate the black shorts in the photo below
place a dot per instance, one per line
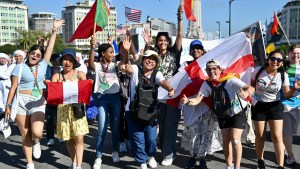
(264, 111)
(236, 121)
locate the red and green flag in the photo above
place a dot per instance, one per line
(276, 30)
(188, 9)
(99, 13)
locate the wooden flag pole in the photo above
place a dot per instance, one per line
(94, 31)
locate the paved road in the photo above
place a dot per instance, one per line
(11, 155)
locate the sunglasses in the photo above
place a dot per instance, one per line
(273, 59)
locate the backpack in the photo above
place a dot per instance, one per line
(221, 104)
(124, 81)
(144, 107)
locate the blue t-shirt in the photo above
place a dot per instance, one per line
(27, 78)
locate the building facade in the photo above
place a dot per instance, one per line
(290, 21)
(42, 21)
(13, 17)
(74, 15)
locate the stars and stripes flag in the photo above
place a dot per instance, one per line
(120, 29)
(234, 55)
(133, 15)
(69, 92)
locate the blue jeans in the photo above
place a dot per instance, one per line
(142, 139)
(168, 120)
(108, 104)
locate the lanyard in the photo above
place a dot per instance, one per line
(272, 80)
(35, 75)
(105, 71)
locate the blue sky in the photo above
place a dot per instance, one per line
(243, 12)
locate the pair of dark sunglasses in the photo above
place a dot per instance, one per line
(273, 59)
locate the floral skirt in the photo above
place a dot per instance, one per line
(202, 137)
(67, 125)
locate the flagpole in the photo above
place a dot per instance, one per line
(94, 31)
(126, 20)
(282, 28)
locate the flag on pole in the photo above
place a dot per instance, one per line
(133, 15)
(276, 30)
(270, 48)
(121, 30)
(69, 92)
(234, 55)
(99, 13)
(188, 9)
(114, 44)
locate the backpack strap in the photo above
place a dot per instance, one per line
(210, 84)
(257, 75)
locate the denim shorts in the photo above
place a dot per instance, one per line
(27, 107)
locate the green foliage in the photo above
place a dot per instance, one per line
(284, 48)
(26, 39)
(8, 48)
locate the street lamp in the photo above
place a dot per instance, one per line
(218, 22)
(149, 21)
(229, 21)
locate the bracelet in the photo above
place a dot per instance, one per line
(8, 105)
(170, 90)
(179, 18)
(92, 49)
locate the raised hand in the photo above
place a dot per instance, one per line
(93, 42)
(110, 39)
(127, 43)
(58, 23)
(146, 35)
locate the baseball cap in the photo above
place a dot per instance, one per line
(196, 43)
(212, 63)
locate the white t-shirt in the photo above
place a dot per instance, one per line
(267, 87)
(110, 76)
(134, 81)
(233, 86)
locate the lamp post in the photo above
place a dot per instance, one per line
(149, 21)
(229, 21)
(219, 24)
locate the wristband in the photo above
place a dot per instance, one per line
(92, 49)
(8, 105)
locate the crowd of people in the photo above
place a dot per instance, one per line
(125, 93)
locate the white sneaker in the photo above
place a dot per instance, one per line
(115, 157)
(36, 150)
(73, 166)
(152, 162)
(143, 166)
(122, 148)
(167, 162)
(50, 142)
(30, 166)
(97, 164)
(290, 160)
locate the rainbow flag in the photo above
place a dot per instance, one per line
(188, 9)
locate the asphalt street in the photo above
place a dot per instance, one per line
(11, 155)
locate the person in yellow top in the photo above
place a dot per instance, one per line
(70, 128)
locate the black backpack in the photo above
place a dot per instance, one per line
(144, 107)
(221, 104)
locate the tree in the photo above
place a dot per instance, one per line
(8, 48)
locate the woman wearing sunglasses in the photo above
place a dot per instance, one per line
(268, 81)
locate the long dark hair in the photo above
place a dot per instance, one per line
(33, 48)
(166, 35)
(286, 63)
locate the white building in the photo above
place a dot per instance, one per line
(74, 15)
(290, 21)
(13, 17)
(42, 21)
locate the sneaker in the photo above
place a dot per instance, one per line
(152, 162)
(202, 164)
(230, 167)
(261, 164)
(36, 150)
(115, 157)
(280, 167)
(143, 166)
(73, 166)
(50, 142)
(290, 160)
(30, 166)
(249, 144)
(167, 161)
(122, 148)
(97, 164)
(191, 163)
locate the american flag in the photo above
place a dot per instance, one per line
(133, 15)
(122, 30)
